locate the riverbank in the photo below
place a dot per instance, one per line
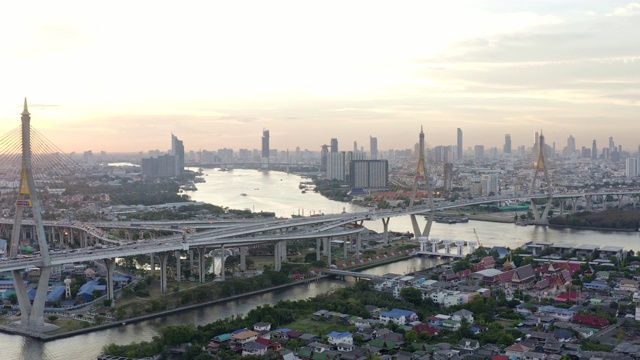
(44, 337)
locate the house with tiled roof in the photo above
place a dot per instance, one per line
(628, 285)
(516, 351)
(592, 321)
(523, 276)
(570, 296)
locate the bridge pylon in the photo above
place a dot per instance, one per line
(421, 174)
(31, 315)
(541, 167)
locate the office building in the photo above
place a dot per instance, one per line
(373, 147)
(507, 144)
(594, 151)
(369, 174)
(163, 166)
(479, 152)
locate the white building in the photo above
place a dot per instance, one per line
(631, 168)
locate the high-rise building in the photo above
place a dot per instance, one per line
(489, 183)
(612, 144)
(507, 144)
(594, 150)
(459, 152)
(265, 148)
(570, 150)
(177, 149)
(479, 152)
(373, 147)
(336, 166)
(631, 168)
(355, 146)
(369, 174)
(334, 145)
(448, 177)
(87, 158)
(324, 156)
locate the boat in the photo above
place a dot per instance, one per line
(450, 220)
(304, 191)
(243, 194)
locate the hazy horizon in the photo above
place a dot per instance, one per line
(124, 76)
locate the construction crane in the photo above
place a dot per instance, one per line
(477, 239)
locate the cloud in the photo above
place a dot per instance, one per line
(630, 9)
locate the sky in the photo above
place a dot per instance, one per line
(123, 75)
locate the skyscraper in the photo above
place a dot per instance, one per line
(369, 174)
(507, 144)
(177, 149)
(459, 152)
(265, 148)
(594, 150)
(324, 157)
(373, 147)
(334, 145)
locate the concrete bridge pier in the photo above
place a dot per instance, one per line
(423, 240)
(417, 233)
(318, 249)
(152, 264)
(110, 266)
(164, 257)
(191, 266)
(283, 251)
(620, 196)
(358, 245)
(346, 250)
(589, 200)
(201, 264)
(561, 207)
(277, 258)
(574, 208)
(222, 263)
(243, 258)
(178, 267)
(385, 234)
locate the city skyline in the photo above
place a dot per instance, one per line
(216, 74)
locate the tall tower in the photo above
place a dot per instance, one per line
(177, 149)
(421, 175)
(334, 145)
(265, 149)
(373, 147)
(32, 316)
(541, 167)
(459, 152)
(507, 144)
(594, 151)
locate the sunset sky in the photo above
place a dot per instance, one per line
(123, 75)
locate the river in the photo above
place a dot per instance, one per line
(278, 192)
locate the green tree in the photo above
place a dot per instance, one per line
(412, 295)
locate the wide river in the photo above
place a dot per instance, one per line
(278, 192)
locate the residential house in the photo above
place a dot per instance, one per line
(516, 351)
(241, 337)
(556, 313)
(628, 285)
(335, 338)
(463, 314)
(253, 348)
(398, 316)
(591, 321)
(262, 326)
